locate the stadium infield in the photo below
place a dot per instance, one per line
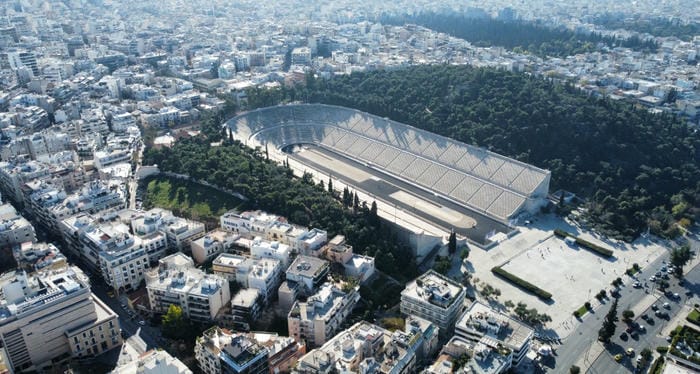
(403, 195)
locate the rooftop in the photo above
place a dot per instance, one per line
(307, 266)
(495, 325)
(434, 288)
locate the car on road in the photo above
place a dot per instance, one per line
(618, 357)
(637, 285)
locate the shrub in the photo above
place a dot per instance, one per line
(587, 305)
(542, 294)
(574, 370)
(662, 349)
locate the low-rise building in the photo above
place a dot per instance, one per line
(14, 229)
(318, 318)
(263, 249)
(210, 245)
(38, 257)
(434, 297)
(153, 362)
(177, 282)
(226, 265)
(357, 266)
(51, 316)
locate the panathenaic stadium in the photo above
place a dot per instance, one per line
(454, 185)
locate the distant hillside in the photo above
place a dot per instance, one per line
(528, 36)
(636, 168)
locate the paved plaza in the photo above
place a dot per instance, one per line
(572, 274)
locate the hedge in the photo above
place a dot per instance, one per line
(657, 366)
(662, 349)
(694, 317)
(584, 243)
(542, 294)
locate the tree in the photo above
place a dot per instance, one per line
(646, 354)
(452, 243)
(627, 315)
(608, 329)
(574, 370)
(465, 253)
(679, 258)
(330, 185)
(174, 322)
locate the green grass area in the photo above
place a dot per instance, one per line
(580, 312)
(694, 317)
(188, 199)
(542, 294)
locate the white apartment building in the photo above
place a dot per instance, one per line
(121, 256)
(222, 351)
(155, 361)
(482, 324)
(14, 229)
(276, 250)
(365, 348)
(264, 274)
(434, 297)
(210, 245)
(320, 317)
(179, 232)
(273, 228)
(177, 282)
(110, 156)
(51, 316)
(226, 265)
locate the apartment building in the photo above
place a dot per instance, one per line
(482, 324)
(303, 277)
(365, 348)
(177, 282)
(434, 297)
(317, 319)
(50, 316)
(210, 245)
(222, 351)
(121, 257)
(152, 362)
(14, 229)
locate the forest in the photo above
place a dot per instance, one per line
(636, 170)
(657, 26)
(273, 188)
(538, 39)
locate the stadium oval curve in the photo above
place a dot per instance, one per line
(476, 178)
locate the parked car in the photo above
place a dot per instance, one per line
(618, 357)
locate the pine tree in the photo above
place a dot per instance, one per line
(356, 203)
(330, 185)
(608, 329)
(452, 243)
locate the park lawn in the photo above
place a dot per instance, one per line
(582, 311)
(188, 199)
(694, 317)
